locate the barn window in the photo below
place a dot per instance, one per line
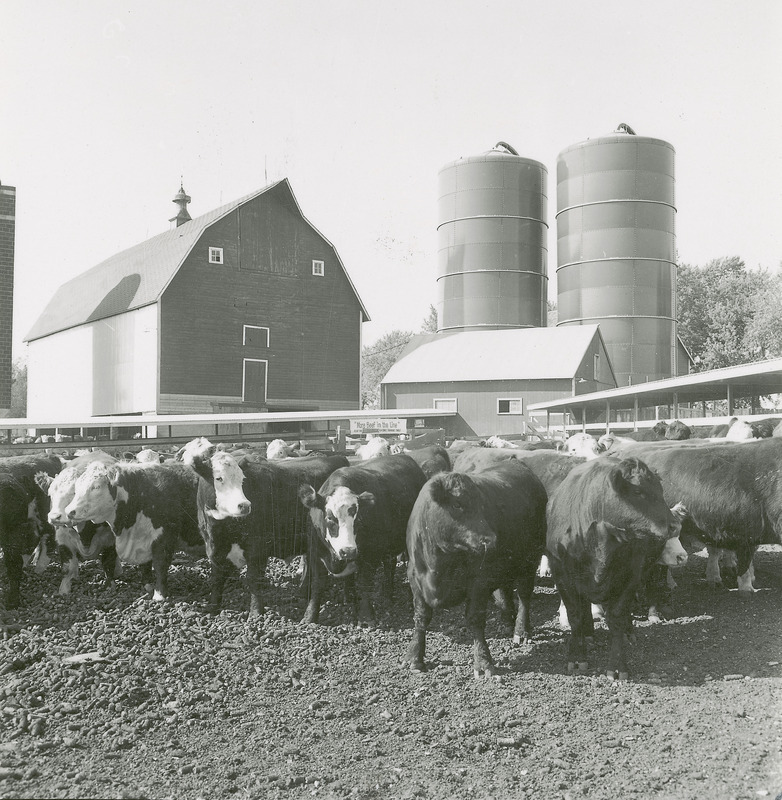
(216, 255)
(596, 366)
(509, 405)
(445, 404)
(253, 335)
(318, 268)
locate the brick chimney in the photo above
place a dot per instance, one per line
(7, 235)
(182, 216)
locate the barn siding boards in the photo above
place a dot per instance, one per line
(104, 367)
(477, 402)
(266, 280)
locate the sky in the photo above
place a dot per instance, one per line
(107, 105)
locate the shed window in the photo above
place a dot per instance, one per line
(445, 404)
(216, 255)
(318, 268)
(509, 406)
(596, 366)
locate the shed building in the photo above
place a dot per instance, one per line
(489, 378)
(245, 308)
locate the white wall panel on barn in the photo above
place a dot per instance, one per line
(59, 381)
(124, 363)
(104, 367)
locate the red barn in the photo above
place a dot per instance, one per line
(246, 308)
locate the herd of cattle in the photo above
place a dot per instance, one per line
(607, 518)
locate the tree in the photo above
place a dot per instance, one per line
(727, 314)
(378, 358)
(18, 389)
(429, 324)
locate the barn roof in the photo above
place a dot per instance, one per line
(515, 354)
(137, 276)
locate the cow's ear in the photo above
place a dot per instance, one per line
(627, 476)
(112, 474)
(366, 499)
(44, 480)
(202, 466)
(310, 498)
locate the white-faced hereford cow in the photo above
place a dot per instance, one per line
(358, 521)
(733, 496)
(150, 511)
(23, 506)
(608, 524)
(73, 541)
(468, 536)
(250, 511)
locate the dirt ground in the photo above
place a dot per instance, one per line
(168, 702)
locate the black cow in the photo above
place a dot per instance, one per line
(732, 492)
(678, 431)
(654, 434)
(250, 511)
(608, 524)
(432, 459)
(150, 511)
(359, 519)
(468, 536)
(764, 428)
(23, 509)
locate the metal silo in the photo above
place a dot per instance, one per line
(492, 242)
(616, 249)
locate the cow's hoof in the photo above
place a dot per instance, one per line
(417, 666)
(524, 638)
(488, 673)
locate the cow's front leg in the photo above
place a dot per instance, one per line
(580, 620)
(525, 587)
(112, 567)
(315, 575)
(477, 604)
(620, 625)
(506, 605)
(70, 568)
(365, 574)
(422, 616)
(13, 567)
(162, 556)
(256, 567)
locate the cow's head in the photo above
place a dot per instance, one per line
(334, 521)
(223, 473)
(740, 431)
(61, 491)
(643, 504)
(464, 527)
(583, 445)
(96, 495)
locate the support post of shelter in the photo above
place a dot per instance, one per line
(675, 407)
(730, 400)
(635, 413)
(608, 416)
